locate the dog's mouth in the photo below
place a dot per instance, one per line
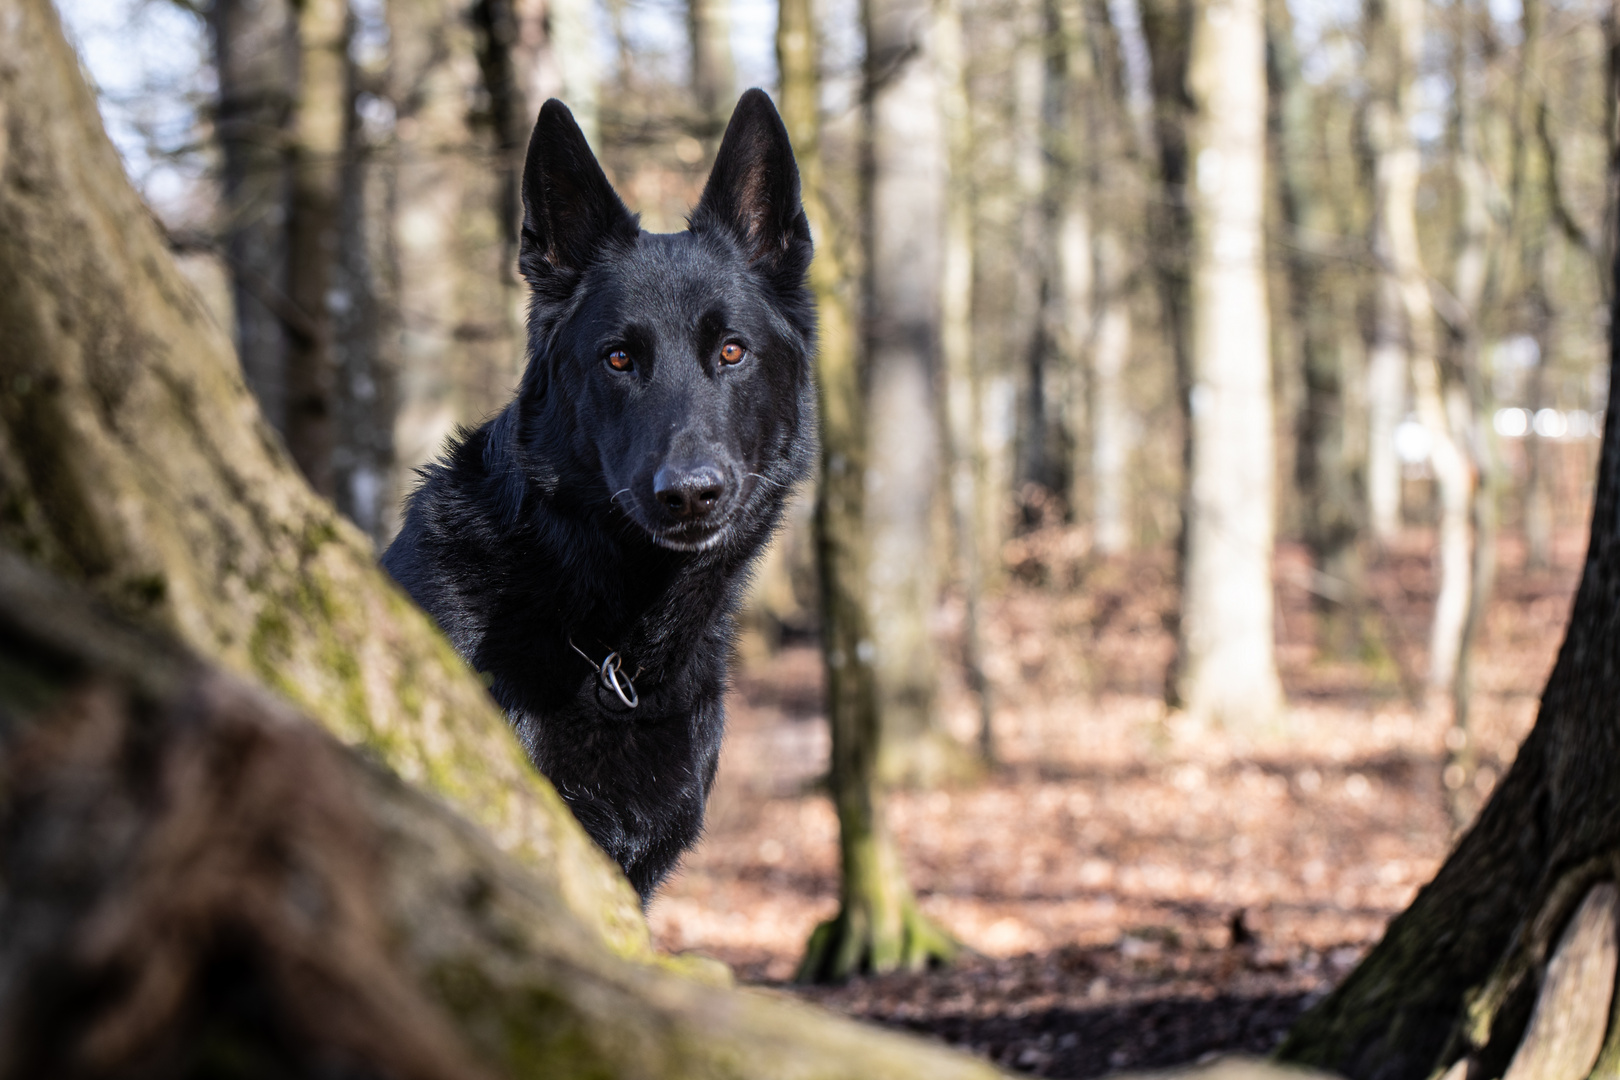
(695, 535)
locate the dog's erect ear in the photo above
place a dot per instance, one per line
(569, 208)
(753, 190)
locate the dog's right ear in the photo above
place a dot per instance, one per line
(569, 209)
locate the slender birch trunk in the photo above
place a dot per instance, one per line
(317, 148)
(963, 413)
(1393, 35)
(1112, 169)
(713, 75)
(905, 179)
(1226, 668)
(878, 927)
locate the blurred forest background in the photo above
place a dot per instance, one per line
(1211, 424)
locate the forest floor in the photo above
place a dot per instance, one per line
(1138, 891)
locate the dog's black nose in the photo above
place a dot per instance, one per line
(689, 492)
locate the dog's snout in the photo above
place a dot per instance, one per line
(689, 492)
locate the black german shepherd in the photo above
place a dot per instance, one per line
(586, 547)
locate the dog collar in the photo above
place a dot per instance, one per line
(611, 674)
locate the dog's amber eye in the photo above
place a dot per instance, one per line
(619, 360)
(732, 353)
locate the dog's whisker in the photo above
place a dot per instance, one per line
(615, 496)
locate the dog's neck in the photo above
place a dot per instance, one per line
(652, 604)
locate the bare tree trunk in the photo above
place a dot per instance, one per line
(1473, 280)
(255, 56)
(365, 329)
(1114, 168)
(878, 927)
(714, 77)
(964, 421)
(1326, 469)
(906, 173)
(1226, 669)
(460, 353)
(555, 57)
(317, 145)
(1393, 34)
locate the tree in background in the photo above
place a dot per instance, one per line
(1209, 74)
(714, 77)
(1505, 962)
(878, 926)
(1328, 463)
(905, 173)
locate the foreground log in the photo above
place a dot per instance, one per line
(198, 878)
(1477, 977)
(134, 460)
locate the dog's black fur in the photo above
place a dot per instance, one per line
(608, 510)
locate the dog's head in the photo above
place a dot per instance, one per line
(669, 374)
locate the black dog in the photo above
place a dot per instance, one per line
(585, 548)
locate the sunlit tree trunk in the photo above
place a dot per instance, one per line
(713, 75)
(1393, 35)
(905, 177)
(964, 421)
(1326, 468)
(254, 55)
(460, 353)
(878, 927)
(1112, 169)
(1472, 282)
(1225, 669)
(554, 56)
(317, 148)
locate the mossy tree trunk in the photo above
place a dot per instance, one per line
(400, 892)
(878, 927)
(1479, 968)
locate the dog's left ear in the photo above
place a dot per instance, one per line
(753, 189)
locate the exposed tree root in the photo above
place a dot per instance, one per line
(854, 942)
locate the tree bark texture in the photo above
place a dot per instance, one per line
(200, 882)
(133, 459)
(963, 374)
(878, 927)
(1458, 975)
(905, 177)
(1225, 668)
(317, 147)
(454, 218)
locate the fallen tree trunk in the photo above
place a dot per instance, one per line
(195, 876)
(134, 460)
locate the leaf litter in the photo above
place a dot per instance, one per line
(1137, 890)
